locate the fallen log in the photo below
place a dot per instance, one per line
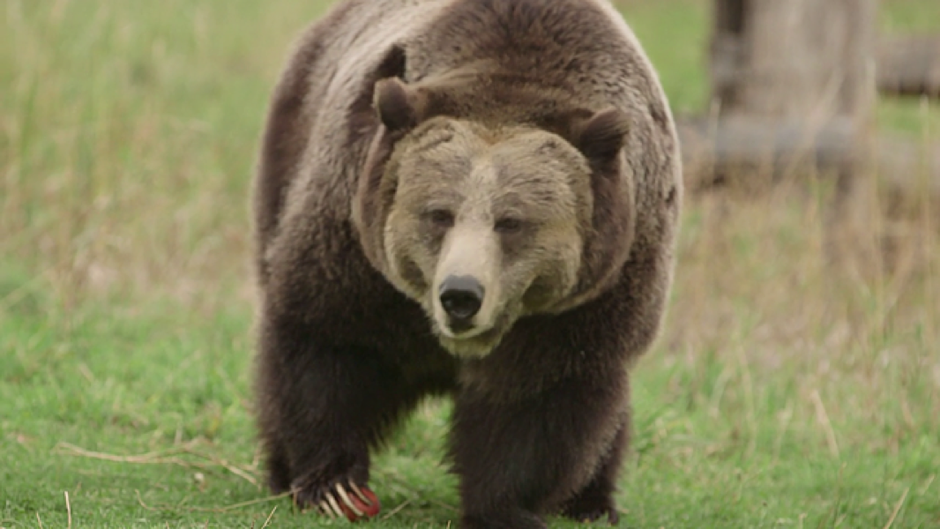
(909, 66)
(743, 147)
(712, 150)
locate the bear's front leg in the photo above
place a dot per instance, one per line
(595, 501)
(522, 458)
(322, 406)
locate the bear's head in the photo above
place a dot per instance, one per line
(483, 222)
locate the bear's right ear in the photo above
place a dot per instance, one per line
(601, 136)
(395, 104)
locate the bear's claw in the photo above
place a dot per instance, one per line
(324, 508)
(348, 502)
(353, 503)
(333, 504)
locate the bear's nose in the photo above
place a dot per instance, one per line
(461, 296)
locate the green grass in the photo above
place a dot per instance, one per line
(707, 454)
(786, 390)
(909, 16)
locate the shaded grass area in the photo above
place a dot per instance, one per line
(786, 391)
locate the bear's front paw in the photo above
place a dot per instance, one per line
(339, 499)
(591, 511)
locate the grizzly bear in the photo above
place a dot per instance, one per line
(467, 198)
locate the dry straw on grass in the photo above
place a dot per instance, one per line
(200, 459)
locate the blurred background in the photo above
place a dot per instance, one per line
(129, 131)
(806, 309)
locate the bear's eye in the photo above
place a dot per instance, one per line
(508, 225)
(440, 217)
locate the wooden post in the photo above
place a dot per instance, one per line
(804, 72)
(794, 58)
(808, 62)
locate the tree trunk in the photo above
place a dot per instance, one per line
(794, 58)
(804, 65)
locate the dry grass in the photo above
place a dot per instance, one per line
(127, 137)
(771, 285)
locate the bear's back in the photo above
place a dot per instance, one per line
(582, 47)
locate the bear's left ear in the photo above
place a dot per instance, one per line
(396, 104)
(601, 136)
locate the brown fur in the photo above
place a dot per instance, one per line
(559, 100)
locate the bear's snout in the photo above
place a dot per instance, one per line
(461, 298)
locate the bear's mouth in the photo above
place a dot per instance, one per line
(473, 341)
(477, 346)
(462, 330)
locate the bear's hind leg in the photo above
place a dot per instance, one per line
(595, 500)
(329, 405)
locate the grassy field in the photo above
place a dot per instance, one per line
(788, 389)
